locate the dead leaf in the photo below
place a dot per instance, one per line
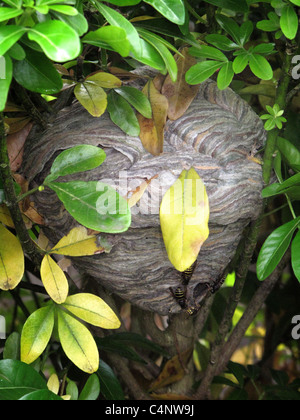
(159, 81)
(65, 264)
(32, 214)
(124, 75)
(138, 192)
(152, 130)
(15, 147)
(173, 370)
(180, 94)
(43, 241)
(17, 124)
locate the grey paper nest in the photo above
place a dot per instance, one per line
(216, 136)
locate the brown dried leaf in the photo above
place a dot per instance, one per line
(123, 74)
(180, 94)
(173, 370)
(15, 146)
(152, 130)
(17, 124)
(138, 192)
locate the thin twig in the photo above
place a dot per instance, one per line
(234, 299)
(252, 309)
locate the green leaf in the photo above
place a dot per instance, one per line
(234, 5)
(124, 2)
(276, 189)
(37, 73)
(17, 379)
(246, 31)
(65, 10)
(150, 56)
(45, 2)
(296, 256)
(77, 159)
(116, 19)
(122, 114)
(202, 71)
(264, 49)
(91, 389)
(269, 25)
(7, 13)
(296, 2)
(109, 383)
(78, 22)
(173, 10)
(72, 390)
(59, 41)
(221, 42)
(5, 79)
(12, 347)
(225, 76)
(137, 99)
(208, 52)
(239, 371)
(161, 48)
(14, 3)
(230, 26)
(274, 248)
(41, 395)
(114, 36)
(240, 63)
(17, 52)
(290, 153)
(95, 205)
(77, 343)
(289, 21)
(9, 35)
(92, 97)
(36, 334)
(260, 66)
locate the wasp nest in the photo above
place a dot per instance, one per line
(216, 135)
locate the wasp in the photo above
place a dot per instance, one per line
(192, 310)
(217, 284)
(187, 274)
(180, 297)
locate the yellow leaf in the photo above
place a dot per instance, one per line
(53, 383)
(11, 260)
(92, 97)
(36, 334)
(152, 130)
(92, 309)
(78, 243)
(105, 80)
(5, 217)
(173, 371)
(78, 343)
(184, 216)
(54, 280)
(180, 94)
